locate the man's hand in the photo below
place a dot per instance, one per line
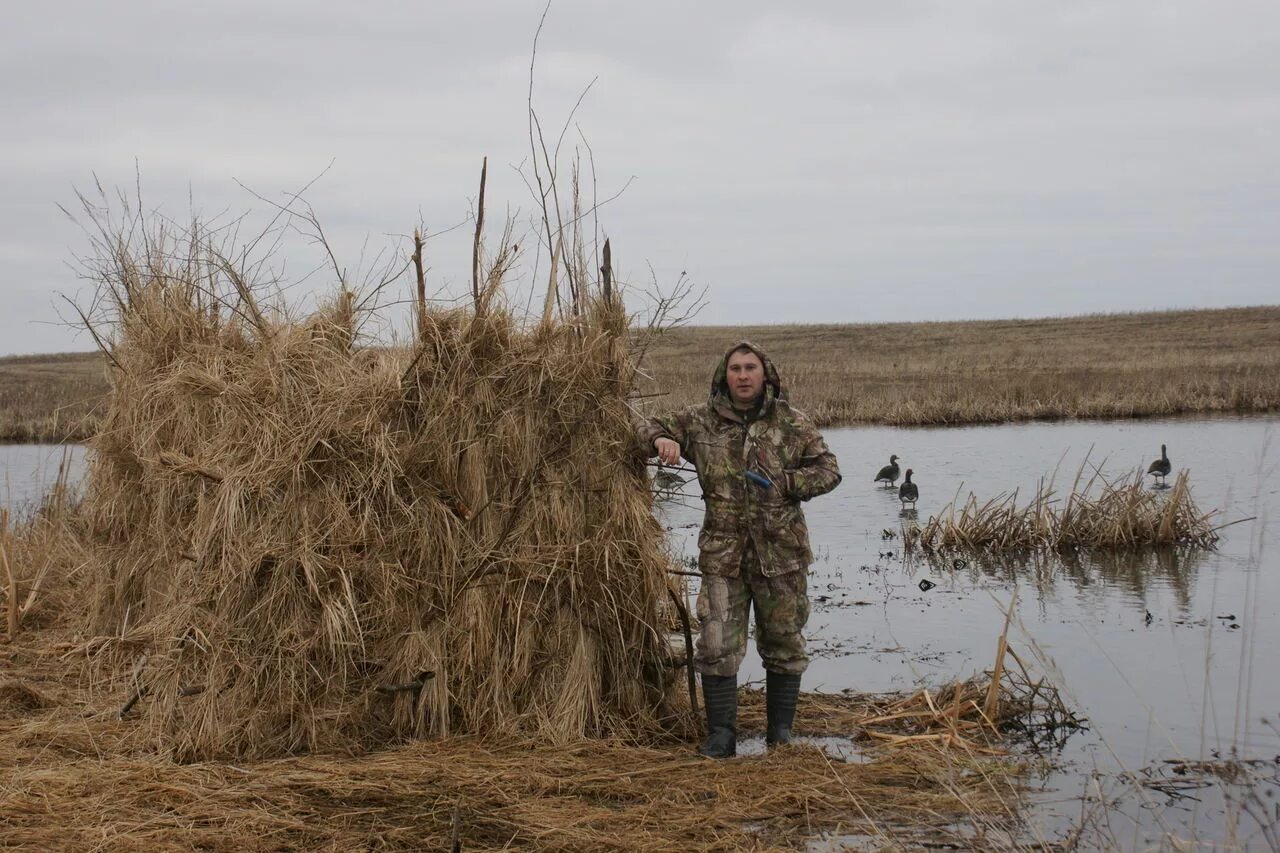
(668, 451)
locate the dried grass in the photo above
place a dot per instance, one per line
(931, 766)
(1153, 364)
(51, 398)
(1096, 514)
(990, 371)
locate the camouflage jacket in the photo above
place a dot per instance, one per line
(775, 441)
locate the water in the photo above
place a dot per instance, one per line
(28, 472)
(1196, 679)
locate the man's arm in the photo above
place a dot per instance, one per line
(817, 472)
(673, 426)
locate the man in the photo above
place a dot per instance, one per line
(757, 459)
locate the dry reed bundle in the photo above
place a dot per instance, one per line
(1097, 513)
(297, 543)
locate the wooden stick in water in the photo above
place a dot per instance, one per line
(992, 704)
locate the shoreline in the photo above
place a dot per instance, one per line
(1197, 415)
(932, 373)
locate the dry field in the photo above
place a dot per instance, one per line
(1105, 366)
(987, 371)
(50, 397)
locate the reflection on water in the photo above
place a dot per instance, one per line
(1125, 574)
(29, 471)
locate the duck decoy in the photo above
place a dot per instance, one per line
(907, 492)
(1161, 467)
(889, 473)
(667, 482)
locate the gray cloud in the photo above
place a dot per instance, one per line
(840, 162)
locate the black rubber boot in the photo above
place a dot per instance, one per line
(720, 695)
(782, 691)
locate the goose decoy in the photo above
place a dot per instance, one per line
(889, 473)
(907, 492)
(1161, 467)
(667, 480)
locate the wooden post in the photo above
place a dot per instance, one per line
(422, 283)
(606, 275)
(688, 650)
(475, 246)
(991, 706)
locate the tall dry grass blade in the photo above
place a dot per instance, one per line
(14, 616)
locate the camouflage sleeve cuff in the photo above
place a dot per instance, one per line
(805, 483)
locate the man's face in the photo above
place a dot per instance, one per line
(745, 376)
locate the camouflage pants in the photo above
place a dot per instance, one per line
(724, 604)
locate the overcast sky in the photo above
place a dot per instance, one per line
(816, 162)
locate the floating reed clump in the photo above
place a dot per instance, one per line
(1096, 513)
(295, 542)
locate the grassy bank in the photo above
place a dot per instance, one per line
(1107, 366)
(50, 397)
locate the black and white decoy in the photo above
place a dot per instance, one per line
(907, 492)
(889, 473)
(1161, 467)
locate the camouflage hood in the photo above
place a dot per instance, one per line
(722, 402)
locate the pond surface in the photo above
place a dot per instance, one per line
(28, 472)
(1168, 653)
